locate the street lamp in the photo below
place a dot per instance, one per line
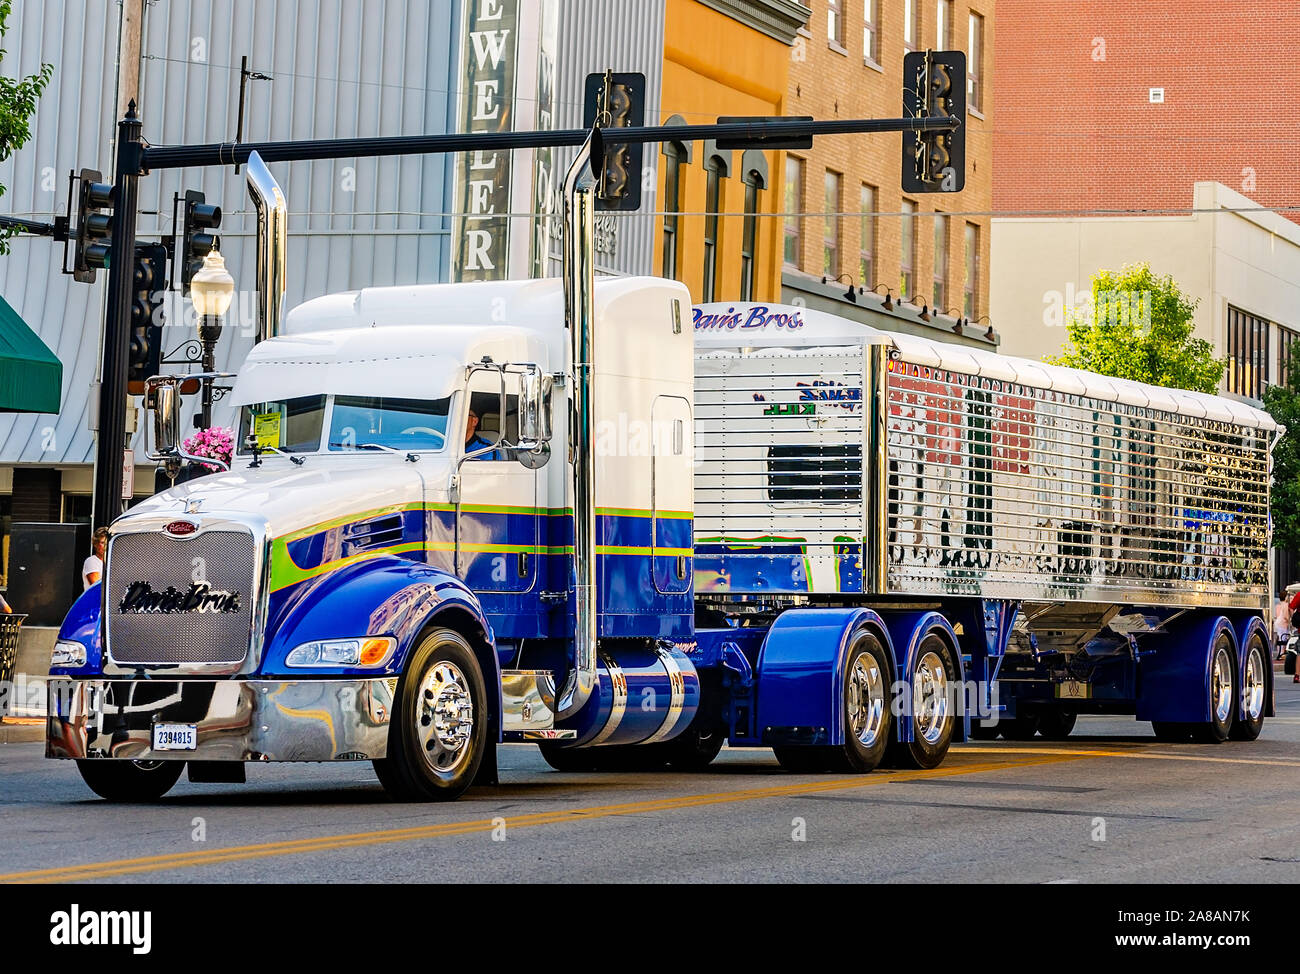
(211, 290)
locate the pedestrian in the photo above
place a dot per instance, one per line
(92, 569)
(1281, 622)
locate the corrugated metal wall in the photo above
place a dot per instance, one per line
(340, 69)
(623, 35)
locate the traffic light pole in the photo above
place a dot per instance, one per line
(110, 442)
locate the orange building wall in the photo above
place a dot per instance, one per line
(714, 65)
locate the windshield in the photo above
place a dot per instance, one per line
(292, 425)
(367, 422)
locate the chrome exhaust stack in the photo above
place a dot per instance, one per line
(272, 246)
(579, 262)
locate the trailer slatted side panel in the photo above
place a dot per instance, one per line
(1006, 490)
(779, 487)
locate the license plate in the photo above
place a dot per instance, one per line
(175, 737)
(1073, 690)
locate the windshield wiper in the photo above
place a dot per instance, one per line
(259, 450)
(412, 457)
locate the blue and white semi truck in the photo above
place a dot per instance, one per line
(583, 513)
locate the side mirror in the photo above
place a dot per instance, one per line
(535, 408)
(166, 417)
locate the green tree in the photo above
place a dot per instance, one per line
(1140, 327)
(17, 105)
(1283, 403)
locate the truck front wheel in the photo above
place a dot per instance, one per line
(130, 781)
(438, 733)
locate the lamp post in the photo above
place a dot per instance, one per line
(211, 290)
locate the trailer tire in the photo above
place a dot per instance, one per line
(867, 724)
(1171, 732)
(1254, 694)
(1223, 694)
(432, 756)
(932, 724)
(1055, 724)
(130, 781)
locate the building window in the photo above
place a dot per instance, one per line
(870, 31)
(793, 209)
(975, 64)
(831, 224)
(835, 22)
(749, 235)
(971, 306)
(911, 25)
(867, 239)
(714, 168)
(1247, 353)
(674, 155)
(940, 295)
(907, 251)
(943, 25)
(1287, 350)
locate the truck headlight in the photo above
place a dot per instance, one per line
(370, 651)
(67, 653)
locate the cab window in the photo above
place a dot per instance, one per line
(372, 422)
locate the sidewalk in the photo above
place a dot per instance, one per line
(20, 730)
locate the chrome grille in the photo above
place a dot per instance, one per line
(223, 559)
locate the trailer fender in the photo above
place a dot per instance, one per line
(1246, 626)
(1174, 671)
(800, 674)
(907, 630)
(381, 596)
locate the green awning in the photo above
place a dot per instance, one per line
(31, 376)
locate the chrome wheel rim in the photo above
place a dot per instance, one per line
(930, 689)
(1221, 685)
(1252, 689)
(445, 723)
(866, 699)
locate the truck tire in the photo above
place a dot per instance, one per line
(130, 781)
(695, 748)
(867, 725)
(1055, 724)
(1223, 695)
(1023, 727)
(1254, 693)
(1171, 732)
(438, 733)
(932, 721)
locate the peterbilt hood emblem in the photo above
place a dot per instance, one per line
(140, 598)
(180, 528)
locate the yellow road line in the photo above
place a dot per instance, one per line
(1144, 754)
(326, 843)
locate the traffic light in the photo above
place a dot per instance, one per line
(934, 86)
(148, 287)
(94, 240)
(196, 241)
(616, 101)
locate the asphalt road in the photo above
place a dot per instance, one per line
(1111, 805)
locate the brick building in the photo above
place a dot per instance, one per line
(931, 249)
(1174, 114)
(1123, 106)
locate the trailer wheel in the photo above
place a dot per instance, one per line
(130, 781)
(438, 733)
(1223, 695)
(1056, 725)
(932, 720)
(1254, 694)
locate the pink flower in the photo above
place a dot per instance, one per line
(216, 442)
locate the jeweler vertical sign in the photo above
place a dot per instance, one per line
(490, 52)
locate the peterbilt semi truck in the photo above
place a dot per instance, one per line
(583, 513)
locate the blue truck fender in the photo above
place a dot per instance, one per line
(82, 625)
(907, 630)
(1174, 671)
(383, 596)
(800, 673)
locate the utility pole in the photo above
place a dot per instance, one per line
(128, 55)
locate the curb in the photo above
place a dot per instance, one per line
(21, 733)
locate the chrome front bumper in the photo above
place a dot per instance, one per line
(236, 720)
